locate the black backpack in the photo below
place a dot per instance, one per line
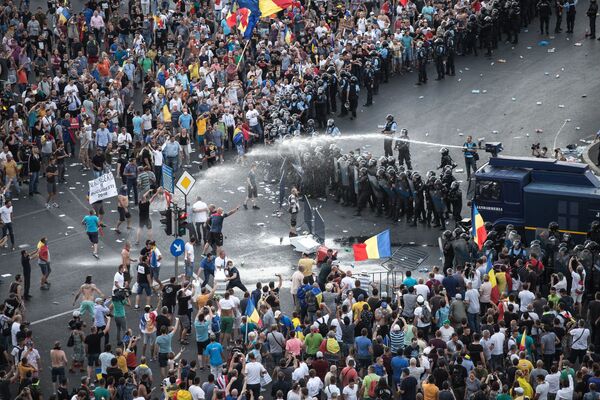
(324, 326)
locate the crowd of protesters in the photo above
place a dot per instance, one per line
(149, 83)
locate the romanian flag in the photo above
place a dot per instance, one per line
(478, 231)
(288, 36)
(244, 14)
(379, 246)
(495, 296)
(252, 314)
(269, 7)
(231, 19)
(251, 19)
(64, 16)
(523, 343)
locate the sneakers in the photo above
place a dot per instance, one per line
(54, 205)
(255, 207)
(96, 255)
(245, 206)
(48, 206)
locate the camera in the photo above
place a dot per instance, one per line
(121, 294)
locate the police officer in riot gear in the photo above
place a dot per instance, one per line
(439, 52)
(422, 62)
(545, 11)
(403, 147)
(332, 129)
(446, 159)
(451, 52)
(389, 131)
(363, 190)
(353, 91)
(486, 35)
(419, 189)
(455, 200)
(321, 108)
(369, 81)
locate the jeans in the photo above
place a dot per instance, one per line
(200, 231)
(207, 277)
(470, 163)
(7, 228)
(473, 319)
(132, 185)
(189, 268)
(15, 183)
(121, 327)
(33, 182)
(172, 162)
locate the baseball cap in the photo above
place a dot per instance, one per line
(277, 314)
(319, 354)
(519, 390)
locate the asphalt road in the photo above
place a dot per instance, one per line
(438, 112)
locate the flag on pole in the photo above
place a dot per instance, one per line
(231, 19)
(288, 36)
(64, 16)
(378, 246)
(252, 314)
(495, 296)
(478, 231)
(523, 343)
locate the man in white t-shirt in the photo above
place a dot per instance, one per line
(580, 341)
(350, 391)
(119, 279)
(189, 256)
(6, 212)
(253, 371)
(525, 298)
(199, 216)
(196, 390)
(541, 390)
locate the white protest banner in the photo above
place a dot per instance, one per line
(102, 188)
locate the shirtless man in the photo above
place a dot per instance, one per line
(123, 209)
(227, 305)
(87, 291)
(126, 262)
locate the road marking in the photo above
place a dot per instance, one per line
(39, 321)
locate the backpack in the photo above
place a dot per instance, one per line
(311, 301)
(426, 315)
(215, 324)
(440, 50)
(6, 328)
(323, 326)
(71, 341)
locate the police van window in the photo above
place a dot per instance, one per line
(568, 215)
(489, 191)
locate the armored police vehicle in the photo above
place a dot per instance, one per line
(532, 192)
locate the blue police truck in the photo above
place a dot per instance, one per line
(532, 192)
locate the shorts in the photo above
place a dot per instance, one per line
(45, 267)
(123, 214)
(293, 219)
(201, 346)
(252, 192)
(215, 238)
(147, 223)
(364, 362)
(227, 324)
(163, 359)
(57, 374)
(148, 338)
(99, 208)
(155, 272)
(92, 359)
(577, 297)
(93, 236)
(51, 187)
(144, 287)
(184, 320)
(85, 307)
